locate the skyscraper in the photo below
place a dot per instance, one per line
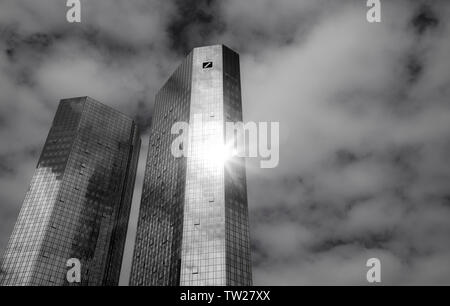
(79, 199)
(193, 220)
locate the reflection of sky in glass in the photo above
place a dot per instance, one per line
(79, 199)
(157, 250)
(203, 246)
(192, 208)
(238, 263)
(24, 245)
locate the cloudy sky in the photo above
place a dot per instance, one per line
(364, 112)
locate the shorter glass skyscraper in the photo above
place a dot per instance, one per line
(79, 199)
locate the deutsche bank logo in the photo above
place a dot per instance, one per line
(207, 65)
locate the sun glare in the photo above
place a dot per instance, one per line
(218, 154)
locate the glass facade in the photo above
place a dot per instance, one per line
(157, 250)
(79, 199)
(237, 260)
(193, 220)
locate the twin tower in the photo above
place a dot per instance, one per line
(193, 218)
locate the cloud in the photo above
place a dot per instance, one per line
(363, 111)
(363, 135)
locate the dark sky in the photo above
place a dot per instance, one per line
(364, 112)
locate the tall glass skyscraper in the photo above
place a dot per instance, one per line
(79, 199)
(193, 220)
